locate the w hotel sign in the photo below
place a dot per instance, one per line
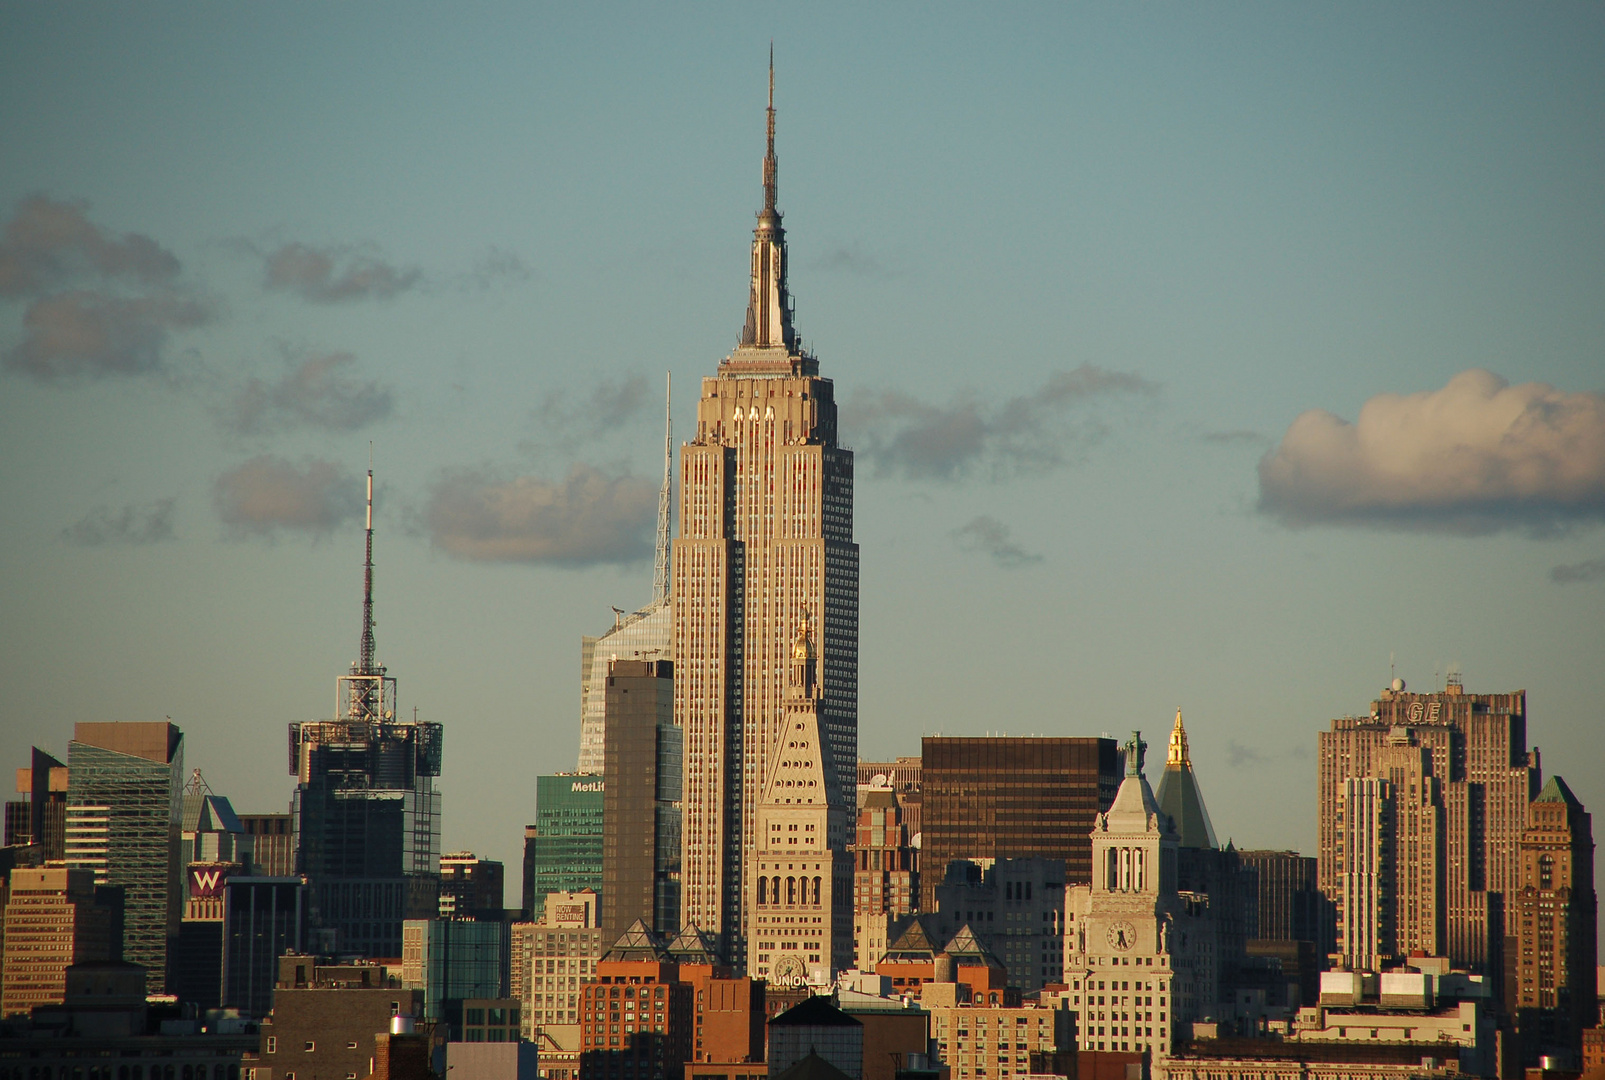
(206, 880)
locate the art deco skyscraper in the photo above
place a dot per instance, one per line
(765, 544)
(1454, 773)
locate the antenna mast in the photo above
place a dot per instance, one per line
(770, 166)
(367, 591)
(660, 563)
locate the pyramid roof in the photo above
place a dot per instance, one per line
(914, 943)
(639, 942)
(815, 1011)
(812, 1067)
(692, 946)
(1557, 791)
(965, 948)
(801, 771)
(1180, 797)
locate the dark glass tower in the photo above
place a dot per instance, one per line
(365, 815)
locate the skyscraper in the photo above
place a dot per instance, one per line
(641, 799)
(124, 802)
(366, 816)
(1554, 914)
(1474, 748)
(563, 852)
(765, 544)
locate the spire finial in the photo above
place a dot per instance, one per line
(660, 566)
(770, 166)
(1177, 752)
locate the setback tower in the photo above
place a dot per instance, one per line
(765, 546)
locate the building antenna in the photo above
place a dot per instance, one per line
(660, 561)
(770, 166)
(367, 651)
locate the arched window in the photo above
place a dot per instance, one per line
(763, 890)
(791, 891)
(816, 892)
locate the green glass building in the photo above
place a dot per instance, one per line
(124, 818)
(563, 852)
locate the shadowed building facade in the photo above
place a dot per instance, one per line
(765, 544)
(641, 798)
(1552, 961)
(1012, 798)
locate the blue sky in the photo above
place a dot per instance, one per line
(1076, 271)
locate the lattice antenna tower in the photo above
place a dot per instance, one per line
(369, 693)
(660, 562)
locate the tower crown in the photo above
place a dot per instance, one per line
(1176, 754)
(769, 312)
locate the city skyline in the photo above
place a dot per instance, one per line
(1084, 282)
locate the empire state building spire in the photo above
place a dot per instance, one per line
(768, 304)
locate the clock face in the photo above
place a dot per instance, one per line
(1122, 935)
(790, 969)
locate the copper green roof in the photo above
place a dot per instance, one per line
(1557, 791)
(1179, 796)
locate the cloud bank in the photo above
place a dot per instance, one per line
(335, 274)
(312, 394)
(992, 538)
(902, 435)
(586, 519)
(91, 334)
(610, 404)
(1578, 573)
(1475, 457)
(99, 303)
(134, 525)
(48, 243)
(268, 494)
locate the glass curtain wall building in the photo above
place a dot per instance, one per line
(565, 854)
(124, 804)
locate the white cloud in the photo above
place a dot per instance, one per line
(1475, 457)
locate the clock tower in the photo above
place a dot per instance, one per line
(800, 908)
(1139, 956)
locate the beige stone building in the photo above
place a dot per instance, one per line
(551, 959)
(765, 544)
(800, 908)
(1139, 958)
(1484, 776)
(51, 923)
(976, 1038)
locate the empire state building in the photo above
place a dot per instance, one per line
(765, 555)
